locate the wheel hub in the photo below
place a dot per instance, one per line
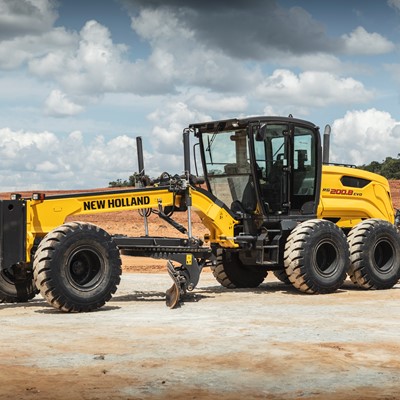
(326, 258)
(83, 268)
(383, 256)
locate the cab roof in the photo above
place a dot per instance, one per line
(237, 123)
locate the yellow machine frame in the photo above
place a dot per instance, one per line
(47, 213)
(346, 205)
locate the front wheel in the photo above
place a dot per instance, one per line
(77, 267)
(282, 276)
(374, 254)
(316, 257)
(231, 273)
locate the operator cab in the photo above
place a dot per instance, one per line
(270, 166)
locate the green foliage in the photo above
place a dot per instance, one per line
(389, 168)
(130, 182)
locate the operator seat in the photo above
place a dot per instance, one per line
(273, 190)
(248, 203)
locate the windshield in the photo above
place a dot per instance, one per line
(228, 166)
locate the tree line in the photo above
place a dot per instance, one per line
(389, 168)
(131, 181)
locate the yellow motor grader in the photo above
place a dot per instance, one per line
(266, 195)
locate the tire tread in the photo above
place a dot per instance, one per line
(43, 272)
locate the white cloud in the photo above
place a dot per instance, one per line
(18, 50)
(58, 105)
(95, 65)
(364, 136)
(180, 59)
(316, 62)
(362, 42)
(166, 137)
(160, 25)
(310, 89)
(88, 64)
(218, 103)
(22, 17)
(88, 67)
(42, 160)
(46, 166)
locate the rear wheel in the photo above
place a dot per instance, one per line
(231, 273)
(374, 254)
(282, 276)
(77, 267)
(316, 257)
(13, 290)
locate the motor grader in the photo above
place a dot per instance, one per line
(267, 201)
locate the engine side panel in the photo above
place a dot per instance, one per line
(350, 195)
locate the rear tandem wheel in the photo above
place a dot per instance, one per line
(316, 257)
(77, 267)
(374, 254)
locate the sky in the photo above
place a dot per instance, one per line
(80, 80)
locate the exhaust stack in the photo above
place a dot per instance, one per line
(139, 148)
(326, 144)
(146, 212)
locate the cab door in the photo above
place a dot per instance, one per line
(272, 165)
(286, 168)
(304, 171)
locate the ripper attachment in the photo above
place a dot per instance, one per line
(185, 277)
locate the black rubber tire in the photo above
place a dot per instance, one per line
(77, 267)
(374, 254)
(16, 291)
(231, 273)
(317, 257)
(282, 276)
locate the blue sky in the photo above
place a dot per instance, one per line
(80, 80)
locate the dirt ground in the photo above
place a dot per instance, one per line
(266, 343)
